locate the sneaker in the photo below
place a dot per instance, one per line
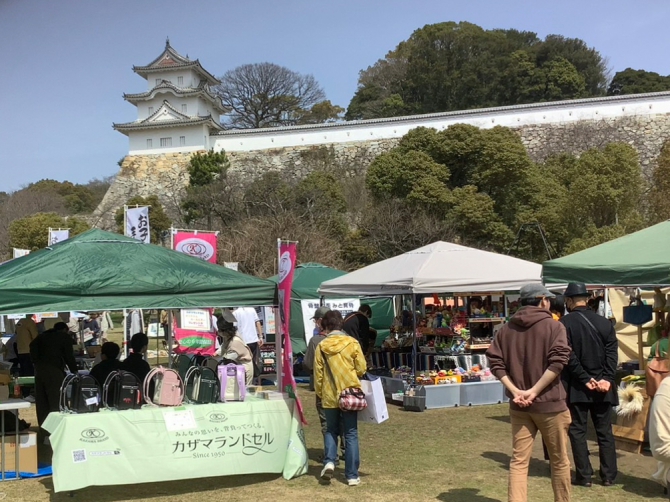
(327, 471)
(30, 399)
(354, 481)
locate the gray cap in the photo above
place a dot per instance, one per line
(530, 291)
(321, 312)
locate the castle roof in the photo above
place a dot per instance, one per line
(170, 59)
(167, 116)
(167, 86)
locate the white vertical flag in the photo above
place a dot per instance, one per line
(56, 236)
(18, 253)
(137, 223)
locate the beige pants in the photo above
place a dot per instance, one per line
(554, 429)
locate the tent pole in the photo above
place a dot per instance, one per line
(125, 334)
(640, 348)
(279, 351)
(169, 338)
(414, 345)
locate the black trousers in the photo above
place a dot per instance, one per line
(601, 416)
(25, 369)
(256, 355)
(48, 381)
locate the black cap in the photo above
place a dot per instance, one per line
(576, 289)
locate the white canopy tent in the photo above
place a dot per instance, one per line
(441, 267)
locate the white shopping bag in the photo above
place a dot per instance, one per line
(376, 412)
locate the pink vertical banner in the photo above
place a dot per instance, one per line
(287, 261)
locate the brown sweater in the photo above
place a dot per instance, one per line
(529, 344)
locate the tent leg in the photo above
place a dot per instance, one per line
(279, 349)
(414, 343)
(640, 348)
(169, 340)
(125, 334)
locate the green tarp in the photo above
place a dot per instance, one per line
(638, 259)
(100, 270)
(307, 279)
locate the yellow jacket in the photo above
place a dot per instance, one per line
(338, 365)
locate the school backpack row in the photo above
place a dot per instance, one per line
(122, 390)
(231, 379)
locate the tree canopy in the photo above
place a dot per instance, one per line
(32, 232)
(631, 81)
(269, 95)
(459, 66)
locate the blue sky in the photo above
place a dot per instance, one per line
(67, 63)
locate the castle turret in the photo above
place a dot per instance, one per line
(178, 110)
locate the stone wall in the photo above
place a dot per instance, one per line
(165, 174)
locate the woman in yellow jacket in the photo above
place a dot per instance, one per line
(338, 364)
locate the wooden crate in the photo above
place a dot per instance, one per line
(630, 432)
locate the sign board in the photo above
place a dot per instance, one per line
(196, 320)
(345, 305)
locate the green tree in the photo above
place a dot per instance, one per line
(631, 81)
(76, 198)
(32, 232)
(159, 221)
(206, 194)
(659, 191)
(459, 66)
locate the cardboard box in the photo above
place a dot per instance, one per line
(5, 379)
(27, 452)
(4, 392)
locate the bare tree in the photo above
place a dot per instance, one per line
(268, 95)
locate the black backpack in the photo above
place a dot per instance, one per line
(122, 390)
(79, 394)
(202, 385)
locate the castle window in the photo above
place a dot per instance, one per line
(158, 81)
(180, 80)
(183, 108)
(151, 110)
(182, 140)
(166, 142)
(149, 143)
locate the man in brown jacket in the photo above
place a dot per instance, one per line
(527, 355)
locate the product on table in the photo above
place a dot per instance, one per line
(233, 382)
(79, 394)
(202, 385)
(125, 389)
(169, 387)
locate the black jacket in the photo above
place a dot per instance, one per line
(136, 364)
(53, 348)
(594, 355)
(357, 325)
(102, 370)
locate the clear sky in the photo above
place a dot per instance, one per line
(67, 62)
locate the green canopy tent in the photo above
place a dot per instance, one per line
(306, 281)
(99, 270)
(638, 259)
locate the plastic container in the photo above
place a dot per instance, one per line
(479, 393)
(443, 396)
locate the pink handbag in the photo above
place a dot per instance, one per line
(168, 390)
(233, 382)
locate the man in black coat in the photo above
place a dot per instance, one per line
(589, 379)
(51, 352)
(357, 325)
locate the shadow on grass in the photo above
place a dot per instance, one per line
(536, 468)
(464, 495)
(501, 418)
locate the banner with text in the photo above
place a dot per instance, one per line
(345, 305)
(200, 245)
(287, 261)
(56, 236)
(194, 333)
(18, 253)
(137, 223)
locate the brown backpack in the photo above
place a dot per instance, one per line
(657, 370)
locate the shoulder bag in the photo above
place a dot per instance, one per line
(657, 370)
(351, 398)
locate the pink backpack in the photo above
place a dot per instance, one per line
(233, 382)
(168, 390)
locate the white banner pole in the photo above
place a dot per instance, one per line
(279, 340)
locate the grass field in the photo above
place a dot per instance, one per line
(454, 455)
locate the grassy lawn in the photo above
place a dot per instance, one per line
(454, 455)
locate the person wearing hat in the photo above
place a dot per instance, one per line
(233, 349)
(317, 336)
(589, 379)
(527, 355)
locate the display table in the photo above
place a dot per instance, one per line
(12, 405)
(164, 444)
(446, 396)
